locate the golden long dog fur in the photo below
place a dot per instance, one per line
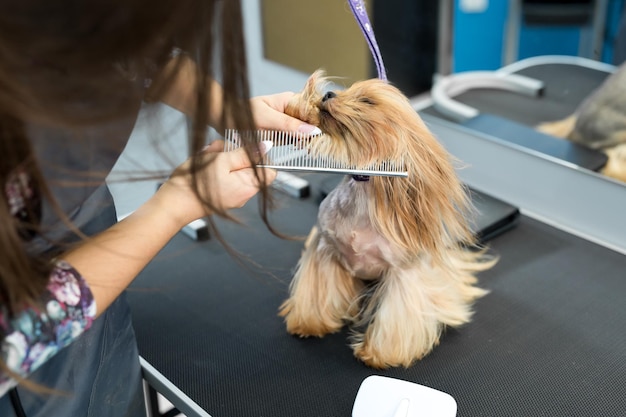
(388, 256)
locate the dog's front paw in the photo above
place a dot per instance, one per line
(306, 324)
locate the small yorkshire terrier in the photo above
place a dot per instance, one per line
(393, 257)
(599, 123)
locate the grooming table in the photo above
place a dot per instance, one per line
(547, 340)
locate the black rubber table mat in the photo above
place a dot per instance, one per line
(548, 340)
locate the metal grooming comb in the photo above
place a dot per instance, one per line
(286, 155)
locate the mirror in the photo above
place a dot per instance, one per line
(569, 46)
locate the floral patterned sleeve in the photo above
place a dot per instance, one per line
(36, 334)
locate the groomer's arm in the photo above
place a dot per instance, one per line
(181, 72)
(111, 260)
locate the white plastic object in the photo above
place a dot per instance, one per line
(474, 6)
(381, 396)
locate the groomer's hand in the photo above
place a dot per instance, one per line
(228, 182)
(269, 113)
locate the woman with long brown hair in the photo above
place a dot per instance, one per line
(73, 76)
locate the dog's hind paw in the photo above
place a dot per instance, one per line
(302, 322)
(307, 329)
(386, 358)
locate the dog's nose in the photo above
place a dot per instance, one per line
(328, 96)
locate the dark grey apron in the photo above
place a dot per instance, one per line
(99, 372)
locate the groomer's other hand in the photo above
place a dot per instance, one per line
(230, 183)
(269, 113)
(236, 181)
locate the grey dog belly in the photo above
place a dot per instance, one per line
(345, 224)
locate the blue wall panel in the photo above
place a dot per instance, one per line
(478, 37)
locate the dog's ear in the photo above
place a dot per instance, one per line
(319, 76)
(302, 104)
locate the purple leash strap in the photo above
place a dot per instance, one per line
(360, 13)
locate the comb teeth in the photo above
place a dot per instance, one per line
(286, 156)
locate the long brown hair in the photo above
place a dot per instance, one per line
(68, 63)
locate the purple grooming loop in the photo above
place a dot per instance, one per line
(360, 13)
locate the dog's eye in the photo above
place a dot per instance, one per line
(366, 100)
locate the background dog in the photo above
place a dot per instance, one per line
(599, 123)
(388, 255)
